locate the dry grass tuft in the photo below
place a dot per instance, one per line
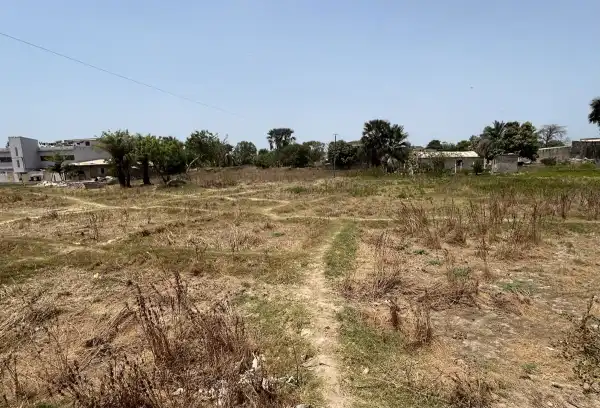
(583, 345)
(470, 391)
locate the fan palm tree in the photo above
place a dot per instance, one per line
(120, 145)
(594, 116)
(380, 137)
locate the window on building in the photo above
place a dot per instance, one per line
(5, 160)
(87, 143)
(16, 151)
(101, 170)
(18, 163)
(69, 157)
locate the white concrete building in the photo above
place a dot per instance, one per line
(25, 159)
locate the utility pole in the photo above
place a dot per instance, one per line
(334, 152)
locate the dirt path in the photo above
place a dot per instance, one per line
(324, 303)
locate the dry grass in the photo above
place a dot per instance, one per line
(451, 287)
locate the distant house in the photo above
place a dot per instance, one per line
(454, 161)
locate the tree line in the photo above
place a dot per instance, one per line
(382, 143)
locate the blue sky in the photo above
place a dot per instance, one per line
(444, 69)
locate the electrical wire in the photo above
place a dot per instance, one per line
(135, 81)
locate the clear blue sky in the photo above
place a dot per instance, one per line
(317, 66)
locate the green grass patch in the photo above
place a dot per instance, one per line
(339, 259)
(374, 358)
(278, 324)
(518, 286)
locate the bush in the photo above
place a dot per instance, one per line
(295, 155)
(478, 167)
(549, 161)
(264, 160)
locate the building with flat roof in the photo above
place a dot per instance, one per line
(25, 158)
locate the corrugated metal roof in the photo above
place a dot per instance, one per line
(429, 155)
(97, 162)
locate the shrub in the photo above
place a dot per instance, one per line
(478, 167)
(549, 161)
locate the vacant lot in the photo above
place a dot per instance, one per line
(279, 288)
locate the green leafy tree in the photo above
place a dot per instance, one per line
(57, 160)
(510, 137)
(380, 137)
(435, 144)
(317, 151)
(204, 148)
(478, 167)
(265, 159)
(345, 154)
(120, 145)
(244, 153)
(278, 138)
(294, 155)
(463, 146)
(167, 155)
(521, 139)
(142, 152)
(552, 135)
(594, 116)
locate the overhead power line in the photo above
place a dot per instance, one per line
(135, 81)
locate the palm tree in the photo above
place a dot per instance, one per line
(594, 116)
(490, 140)
(120, 145)
(380, 137)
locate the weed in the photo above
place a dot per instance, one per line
(420, 252)
(434, 262)
(339, 259)
(530, 368)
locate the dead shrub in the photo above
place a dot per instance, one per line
(470, 391)
(583, 346)
(189, 358)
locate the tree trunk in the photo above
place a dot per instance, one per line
(120, 174)
(146, 172)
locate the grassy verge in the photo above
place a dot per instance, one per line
(378, 372)
(278, 324)
(339, 259)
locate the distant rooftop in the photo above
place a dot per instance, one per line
(591, 139)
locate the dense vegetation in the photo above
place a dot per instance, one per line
(382, 144)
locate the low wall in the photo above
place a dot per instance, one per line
(559, 153)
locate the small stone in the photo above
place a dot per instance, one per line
(305, 332)
(303, 406)
(366, 370)
(178, 391)
(586, 386)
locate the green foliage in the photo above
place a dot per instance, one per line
(244, 153)
(294, 155)
(340, 257)
(380, 137)
(167, 155)
(549, 161)
(463, 146)
(510, 137)
(594, 116)
(265, 159)
(434, 145)
(278, 138)
(143, 144)
(317, 151)
(121, 146)
(207, 149)
(345, 154)
(478, 167)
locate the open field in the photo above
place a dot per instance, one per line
(276, 288)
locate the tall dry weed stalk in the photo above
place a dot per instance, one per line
(188, 357)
